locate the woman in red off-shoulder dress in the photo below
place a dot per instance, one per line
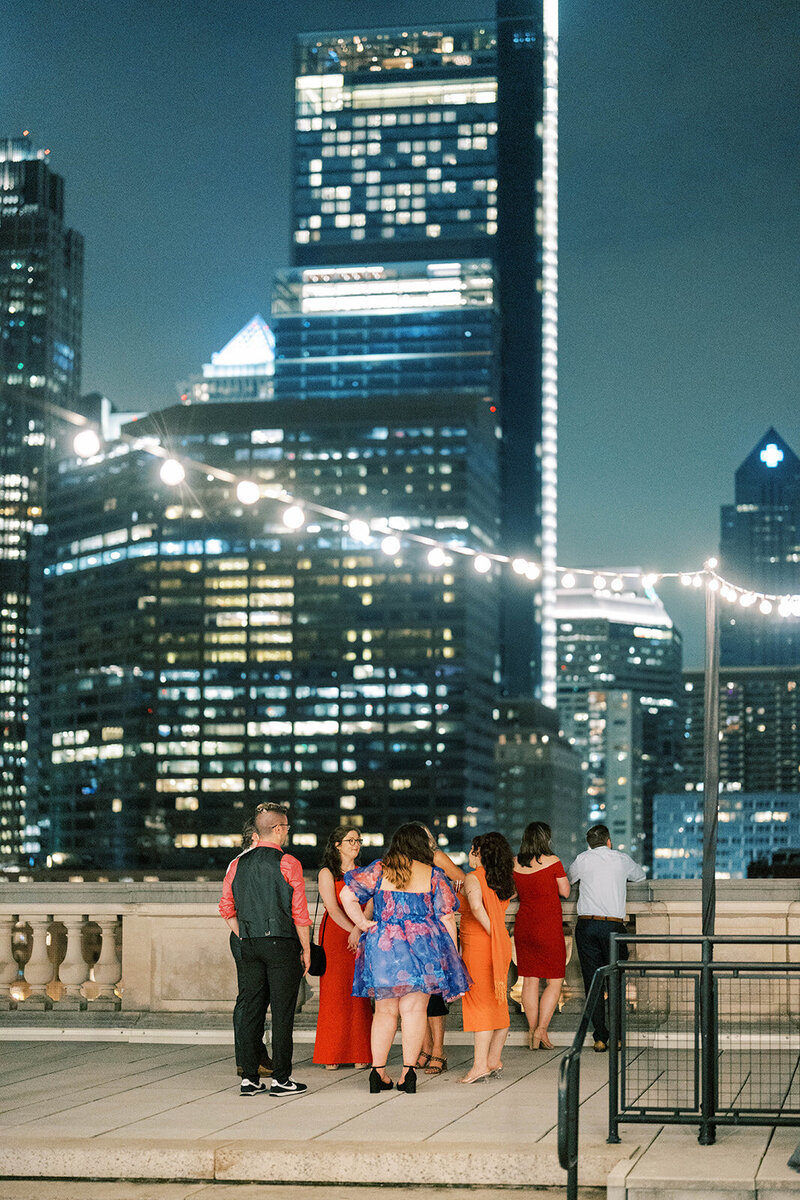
(541, 881)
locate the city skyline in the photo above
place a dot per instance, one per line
(676, 237)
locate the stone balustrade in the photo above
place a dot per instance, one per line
(162, 947)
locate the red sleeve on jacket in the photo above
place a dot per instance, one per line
(293, 874)
(227, 908)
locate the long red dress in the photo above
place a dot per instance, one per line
(538, 928)
(345, 1020)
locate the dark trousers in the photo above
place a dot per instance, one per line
(269, 975)
(593, 942)
(236, 951)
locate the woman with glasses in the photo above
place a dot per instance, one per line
(344, 1021)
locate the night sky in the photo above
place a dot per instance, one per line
(679, 269)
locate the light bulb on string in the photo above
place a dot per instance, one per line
(247, 491)
(599, 583)
(294, 517)
(437, 557)
(650, 581)
(617, 585)
(172, 472)
(686, 580)
(520, 566)
(390, 545)
(713, 585)
(697, 581)
(359, 530)
(765, 607)
(568, 580)
(747, 598)
(482, 563)
(533, 571)
(86, 444)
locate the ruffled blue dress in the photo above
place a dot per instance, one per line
(410, 950)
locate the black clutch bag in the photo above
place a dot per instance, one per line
(318, 960)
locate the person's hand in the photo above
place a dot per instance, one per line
(352, 941)
(457, 884)
(306, 956)
(370, 926)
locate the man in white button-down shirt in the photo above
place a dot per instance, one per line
(603, 875)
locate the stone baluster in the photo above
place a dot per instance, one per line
(38, 969)
(74, 970)
(108, 968)
(8, 966)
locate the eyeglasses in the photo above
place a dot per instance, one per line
(351, 841)
(285, 825)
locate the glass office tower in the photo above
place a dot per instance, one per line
(243, 661)
(41, 281)
(423, 152)
(760, 549)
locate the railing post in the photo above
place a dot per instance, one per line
(614, 1032)
(708, 1049)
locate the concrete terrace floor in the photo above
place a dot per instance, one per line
(152, 1120)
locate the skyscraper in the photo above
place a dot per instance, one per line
(41, 282)
(426, 194)
(619, 693)
(343, 674)
(760, 549)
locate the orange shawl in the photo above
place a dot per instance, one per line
(499, 936)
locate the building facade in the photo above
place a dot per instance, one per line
(754, 827)
(243, 661)
(41, 289)
(426, 177)
(539, 777)
(619, 696)
(760, 549)
(241, 370)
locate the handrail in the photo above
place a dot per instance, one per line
(569, 1078)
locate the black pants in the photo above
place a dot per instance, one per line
(593, 941)
(269, 975)
(236, 951)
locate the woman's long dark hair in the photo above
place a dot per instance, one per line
(497, 862)
(331, 855)
(410, 843)
(535, 843)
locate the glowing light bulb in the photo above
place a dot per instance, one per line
(86, 443)
(533, 571)
(437, 557)
(294, 517)
(650, 581)
(520, 566)
(247, 491)
(686, 580)
(697, 581)
(482, 563)
(390, 545)
(713, 585)
(617, 585)
(765, 607)
(359, 530)
(712, 563)
(747, 598)
(599, 582)
(568, 580)
(172, 472)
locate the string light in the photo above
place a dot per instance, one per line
(172, 472)
(88, 443)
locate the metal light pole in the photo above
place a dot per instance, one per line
(711, 757)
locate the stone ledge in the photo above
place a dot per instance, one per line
(287, 1162)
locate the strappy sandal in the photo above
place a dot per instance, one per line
(439, 1069)
(423, 1058)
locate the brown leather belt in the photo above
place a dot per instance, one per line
(615, 920)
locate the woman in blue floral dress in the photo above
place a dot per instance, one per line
(408, 951)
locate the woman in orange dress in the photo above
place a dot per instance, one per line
(345, 1020)
(486, 949)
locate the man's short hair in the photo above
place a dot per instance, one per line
(598, 835)
(267, 817)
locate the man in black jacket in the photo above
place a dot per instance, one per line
(264, 904)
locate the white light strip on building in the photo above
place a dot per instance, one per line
(549, 352)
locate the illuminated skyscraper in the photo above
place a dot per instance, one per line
(425, 238)
(619, 694)
(41, 281)
(760, 549)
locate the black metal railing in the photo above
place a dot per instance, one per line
(692, 1041)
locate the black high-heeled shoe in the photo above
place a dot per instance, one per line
(376, 1084)
(409, 1084)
